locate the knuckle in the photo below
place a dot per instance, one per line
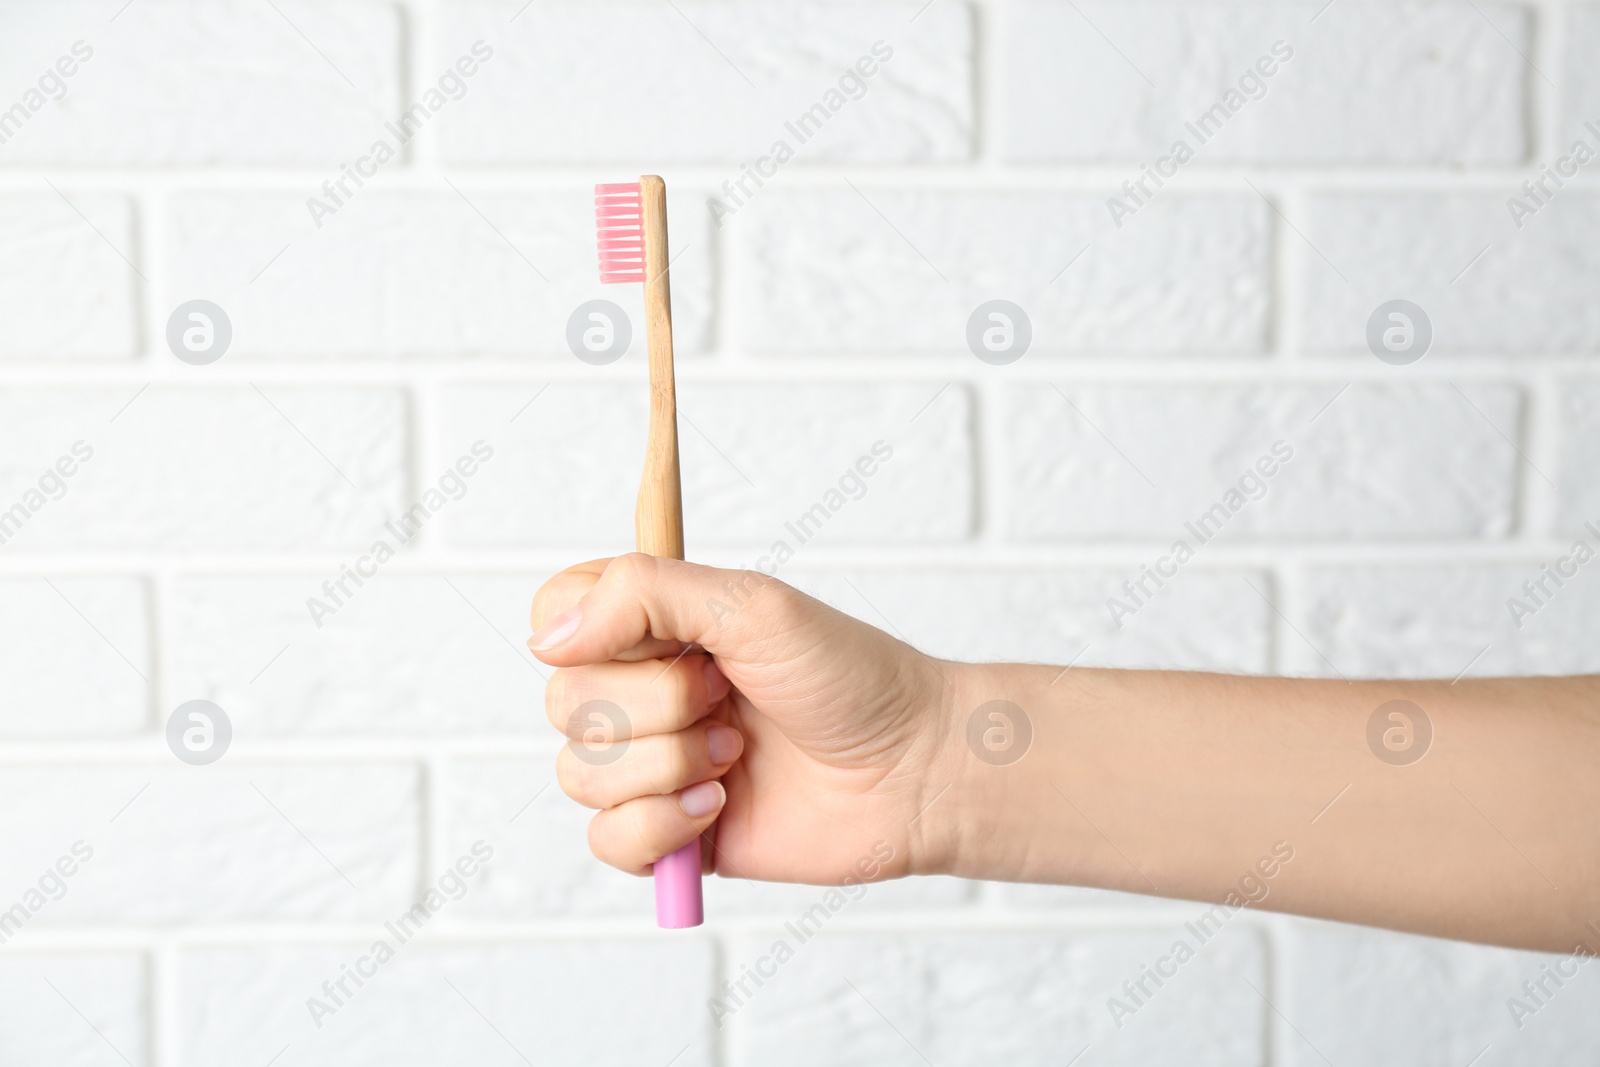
(736, 588)
(600, 839)
(558, 699)
(617, 838)
(751, 580)
(645, 849)
(763, 600)
(788, 604)
(575, 706)
(571, 778)
(632, 569)
(673, 766)
(678, 689)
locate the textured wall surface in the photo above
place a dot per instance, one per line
(165, 521)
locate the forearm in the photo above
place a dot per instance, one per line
(1197, 785)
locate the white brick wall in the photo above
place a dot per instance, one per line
(75, 1008)
(1382, 83)
(775, 63)
(505, 1001)
(107, 692)
(743, 463)
(824, 273)
(238, 841)
(1399, 462)
(172, 84)
(64, 292)
(1424, 245)
(1427, 1001)
(821, 312)
(1001, 997)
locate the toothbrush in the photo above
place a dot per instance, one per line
(631, 223)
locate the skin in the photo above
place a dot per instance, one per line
(798, 741)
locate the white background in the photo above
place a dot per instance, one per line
(826, 313)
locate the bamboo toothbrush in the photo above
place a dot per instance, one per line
(631, 222)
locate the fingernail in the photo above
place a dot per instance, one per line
(701, 800)
(724, 744)
(717, 684)
(557, 630)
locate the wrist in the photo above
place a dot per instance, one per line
(984, 777)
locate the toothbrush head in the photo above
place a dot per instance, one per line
(619, 225)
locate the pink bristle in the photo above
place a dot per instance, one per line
(620, 230)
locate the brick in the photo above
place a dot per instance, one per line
(185, 84)
(542, 864)
(1033, 997)
(447, 272)
(1203, 620)
(1526, 295)
(1371, 462)
(1580, 82)
(1430, 1003)
(1578, 494)
(731, 76)
(66, 292)
(75, 656)
(1368, 83)
(74, 1009)
(1437, 621)
(458, 1004)
(404, 654)
(754, 457)
(827, 271)
(178, 844)
(218, 469)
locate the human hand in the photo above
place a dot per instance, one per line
(805, 735)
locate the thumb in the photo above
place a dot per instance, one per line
(639, 596)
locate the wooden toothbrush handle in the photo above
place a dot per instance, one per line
(658, 520)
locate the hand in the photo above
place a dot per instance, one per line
(806, 736)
